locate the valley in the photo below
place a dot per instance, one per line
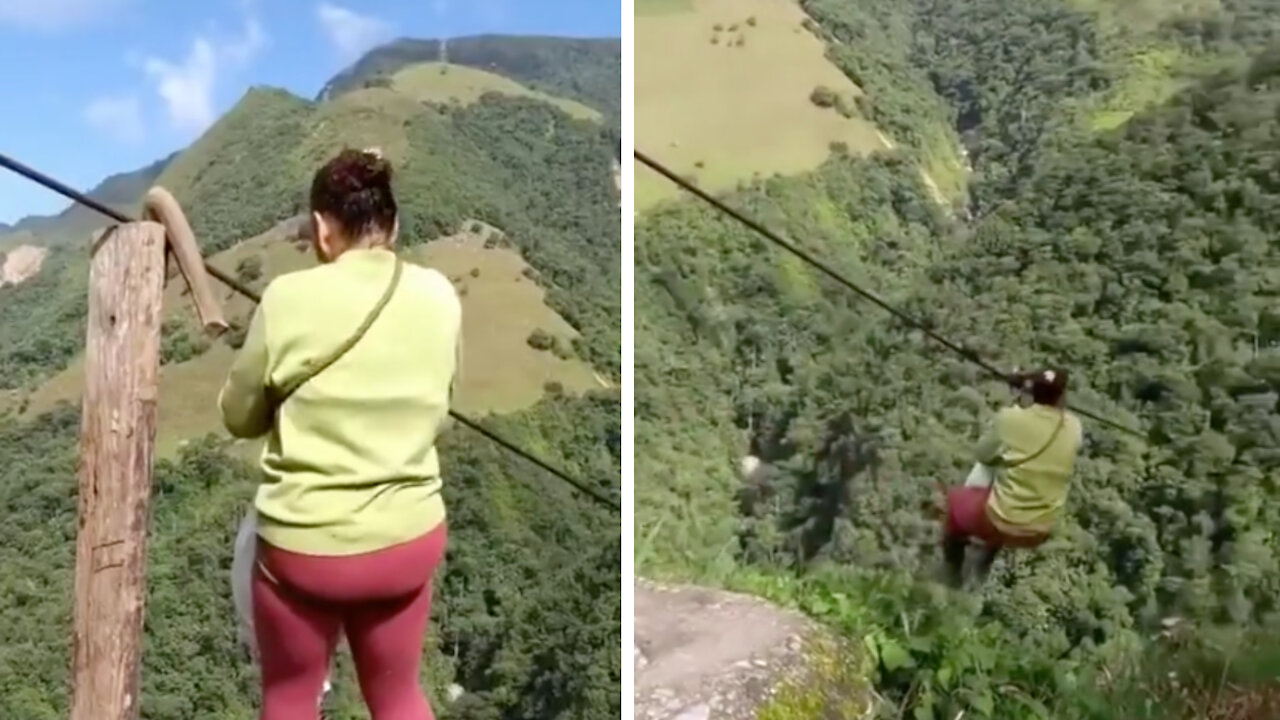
(1104, 206)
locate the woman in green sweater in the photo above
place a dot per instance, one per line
(1033, 452)
(347, 369)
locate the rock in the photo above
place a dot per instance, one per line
(706, 654)
(21, 264)
(750, 467)
(697, 712)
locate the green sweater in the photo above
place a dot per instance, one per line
(1029, 497)
(350, 463)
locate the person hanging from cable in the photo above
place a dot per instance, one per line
(348, 370)
(1016, 493)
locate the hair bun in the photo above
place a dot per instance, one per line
(357, 170)
(354, 188)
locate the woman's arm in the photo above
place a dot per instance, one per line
(989, 447)
(246, 411)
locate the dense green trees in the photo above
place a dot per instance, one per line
(1141, 258)
(526, 621)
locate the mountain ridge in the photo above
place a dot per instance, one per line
(121, 190)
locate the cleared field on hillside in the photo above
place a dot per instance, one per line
(501, 308)
(722, 105)
(442, 82)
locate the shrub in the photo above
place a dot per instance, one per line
(824, 97)
(540, 339)
(249, 269)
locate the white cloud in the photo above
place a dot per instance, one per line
(55, 14)
(118, 116)
(244, 49)
(187, 87)
(350, 32)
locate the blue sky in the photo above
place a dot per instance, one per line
(94, 87)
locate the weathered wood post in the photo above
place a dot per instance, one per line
(117, 437)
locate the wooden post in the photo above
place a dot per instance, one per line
(117, 437)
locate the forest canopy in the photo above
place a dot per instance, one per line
(1141, 255)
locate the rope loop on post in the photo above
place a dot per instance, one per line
(161, 206)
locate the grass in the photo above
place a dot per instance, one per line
(370, 117)
(1144, 16)
(834, 684)
(501, 307)
(662, 7)
(1150, 76)
(1188, 672)
(441, 82)
(1148, 69)
(722, 112)
(17, 239)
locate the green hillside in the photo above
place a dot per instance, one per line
(1138, 252)
(513, 198)
(582, 69)
(763, 71)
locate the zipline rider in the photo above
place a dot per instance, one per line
(1028, 455)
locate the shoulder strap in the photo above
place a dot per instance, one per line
(1062, 420)
(315, 368)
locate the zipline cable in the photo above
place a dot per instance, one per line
(78, 197)
(827, 270)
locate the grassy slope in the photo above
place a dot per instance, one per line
(504, 373)
(585, 70)
(1149, 69)
(440, 82)
(739, 111)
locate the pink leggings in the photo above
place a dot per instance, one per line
(382, 600)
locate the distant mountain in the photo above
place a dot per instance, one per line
(120, 191)
(582, 69)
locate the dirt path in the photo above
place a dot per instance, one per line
(708, 654)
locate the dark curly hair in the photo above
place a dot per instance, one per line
(354, 189)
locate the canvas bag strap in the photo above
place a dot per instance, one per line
(281, 394)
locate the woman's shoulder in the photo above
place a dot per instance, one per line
(431, 280)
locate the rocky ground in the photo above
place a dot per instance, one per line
(706, 654)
